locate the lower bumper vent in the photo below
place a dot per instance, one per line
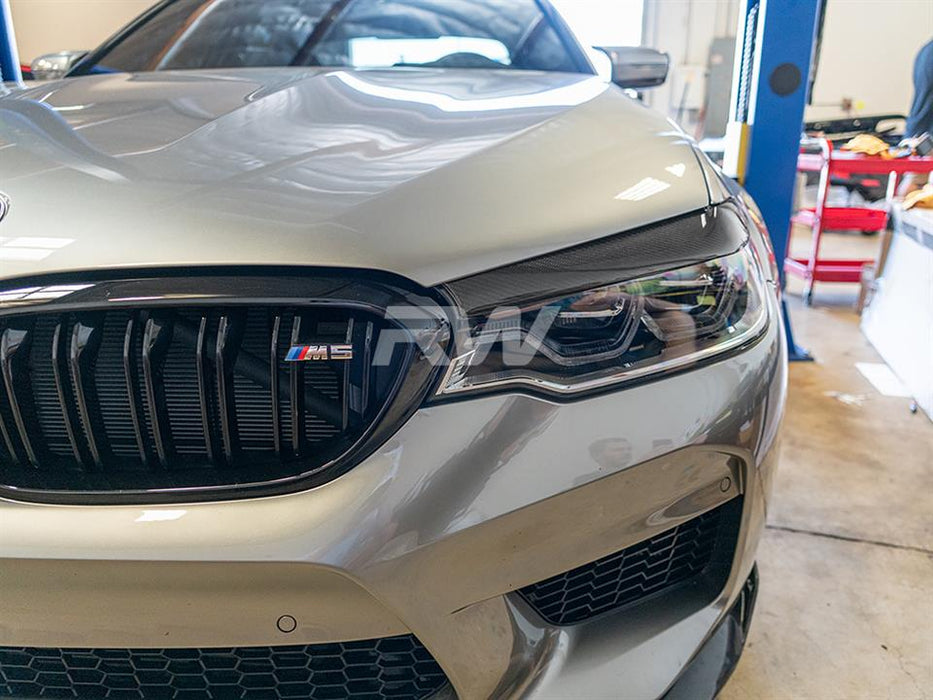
(698, 550)
(399, 668)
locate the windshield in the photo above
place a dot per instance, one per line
(198, 34)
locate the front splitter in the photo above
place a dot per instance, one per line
(712, 666)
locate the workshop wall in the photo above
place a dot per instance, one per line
(686, 30)
(868, 56)
(861, 62)
(78, 24)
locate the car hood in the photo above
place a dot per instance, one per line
(431, 174)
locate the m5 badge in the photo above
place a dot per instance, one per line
(320, 353)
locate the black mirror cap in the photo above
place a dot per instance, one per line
(636, 67)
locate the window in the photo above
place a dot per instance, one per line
(197, 34)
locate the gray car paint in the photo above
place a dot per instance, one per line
(433, 175)
(430, 174)
(437, 532)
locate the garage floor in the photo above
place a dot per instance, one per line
(846, 602)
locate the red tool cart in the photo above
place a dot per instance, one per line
(829, 163)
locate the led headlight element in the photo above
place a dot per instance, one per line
(613, 333)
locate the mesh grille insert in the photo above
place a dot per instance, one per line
(668, 559)
(399, 668)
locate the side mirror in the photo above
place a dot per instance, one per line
(635, 67)
(53, 66)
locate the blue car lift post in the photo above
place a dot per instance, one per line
(774, 54)
(9, 58)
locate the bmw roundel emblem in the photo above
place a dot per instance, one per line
(4, 205)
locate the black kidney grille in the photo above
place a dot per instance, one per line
(397, 668)
(167, 398)
(669, 559)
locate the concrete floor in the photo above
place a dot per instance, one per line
(846, 602)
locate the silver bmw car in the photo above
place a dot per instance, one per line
(374, 349)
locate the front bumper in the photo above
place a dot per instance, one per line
(712, 666)
(431, 535)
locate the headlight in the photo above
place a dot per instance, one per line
(638, 325)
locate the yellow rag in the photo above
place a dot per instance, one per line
(869, 145)
(922, 198)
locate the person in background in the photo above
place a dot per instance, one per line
(920, 119)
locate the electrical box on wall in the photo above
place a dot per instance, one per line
(719, 86)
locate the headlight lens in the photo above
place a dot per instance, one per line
(613, 333)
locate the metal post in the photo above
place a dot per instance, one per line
(776, 85)
(9, 57)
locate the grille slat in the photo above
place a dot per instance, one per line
(113, 402)
(179, 374)
(345, 377)
(54, 406)
(204, 397)
(226, 396)
(14, 346)
(134, 400)
(400, 668)
(669, 559)
(365, 369)
(156, 340)
(252, 385)
(296, 381)
(85, 341)
(274, 384)
(120, 400)
(5, 430)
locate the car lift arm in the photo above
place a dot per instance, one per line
(774, 55)
(9, 58)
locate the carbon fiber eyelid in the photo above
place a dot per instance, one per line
(685, 240)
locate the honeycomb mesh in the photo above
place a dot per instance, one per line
(631, 575)
(397, 668)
